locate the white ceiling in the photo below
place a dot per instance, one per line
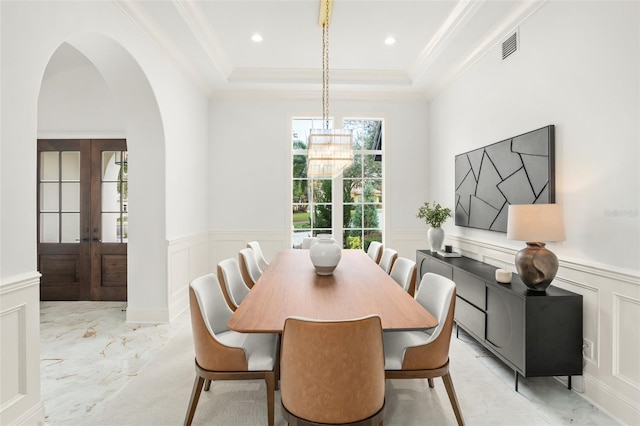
(436, 41)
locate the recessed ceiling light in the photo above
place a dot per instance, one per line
(389, 41)
(256, 37)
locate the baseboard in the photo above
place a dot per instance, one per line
(179, 304)
(611, 401)
(147, 316)
(32, 417)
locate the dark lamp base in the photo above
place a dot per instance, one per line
(536, 266)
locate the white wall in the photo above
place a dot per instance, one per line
(75, 101)
(578, 68)
(161, 114)
(250, 188)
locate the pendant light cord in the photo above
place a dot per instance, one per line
(325, 68)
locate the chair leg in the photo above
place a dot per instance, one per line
(448, 384)
(269, 379)
(277, 363)
(195, 395)
(207, 385)
(430, 383)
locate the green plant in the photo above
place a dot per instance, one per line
(434, 215)
(354, 243)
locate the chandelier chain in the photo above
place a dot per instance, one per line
(325, 68)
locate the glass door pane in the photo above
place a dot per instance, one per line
(114, 197)
(59, 201)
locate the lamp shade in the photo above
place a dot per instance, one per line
(535, 222)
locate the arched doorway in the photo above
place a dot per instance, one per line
(123, 106)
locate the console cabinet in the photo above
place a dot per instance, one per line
(534, 333)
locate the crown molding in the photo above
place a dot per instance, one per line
(227, 78)
(309, 94)
(149, 27)
(314, 76)
(460, 14)
(192, 14)
(518, 15)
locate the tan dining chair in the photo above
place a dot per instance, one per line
(404, 272)
(233, 286)
(249, 267)
(425, 354)
(223, 354)
(375, 251)
(389, 256)
(258, 254)
(332, 371)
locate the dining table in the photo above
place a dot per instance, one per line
(358, 287)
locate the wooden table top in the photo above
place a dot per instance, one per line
(358, 287)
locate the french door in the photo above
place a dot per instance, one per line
(82, 219)
(350, 205)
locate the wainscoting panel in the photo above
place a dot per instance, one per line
(626, 338)
(188, 258)
(407, 242)
(227, 244)
(13, 369)
(611, 315)
(591, 314)
(20, 350)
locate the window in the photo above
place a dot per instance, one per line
(350, 205)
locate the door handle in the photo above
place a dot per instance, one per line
(96, 239)
(85, 239)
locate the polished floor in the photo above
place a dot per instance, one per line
(97, 369)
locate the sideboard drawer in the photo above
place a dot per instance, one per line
(470, 288)
(436, 267)
(470, 317)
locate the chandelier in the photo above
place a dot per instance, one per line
(330, 151)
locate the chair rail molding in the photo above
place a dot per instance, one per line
(224, 244)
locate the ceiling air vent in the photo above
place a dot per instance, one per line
(510, 45)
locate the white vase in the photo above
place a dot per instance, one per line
(325, 254)
(436, 238)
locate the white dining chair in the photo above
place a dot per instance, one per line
(259, 255)
(387, 259)
(425, 354)
(249, 267)
(403, 272)
(307, 241)
(224, 354)
(375, 251)
(233, 286)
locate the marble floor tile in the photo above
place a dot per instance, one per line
(88, 353)
(93, 364)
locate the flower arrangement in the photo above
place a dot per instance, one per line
(434, 215)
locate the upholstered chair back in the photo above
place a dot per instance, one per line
(209, 316)
(403, 272)
(375, 251)
(437, 294)
(233, 286)
(332, 371)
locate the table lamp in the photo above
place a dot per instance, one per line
(536, 224)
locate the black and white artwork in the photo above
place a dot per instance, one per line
(519, 170)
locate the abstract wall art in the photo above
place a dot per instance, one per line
(518, 170)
